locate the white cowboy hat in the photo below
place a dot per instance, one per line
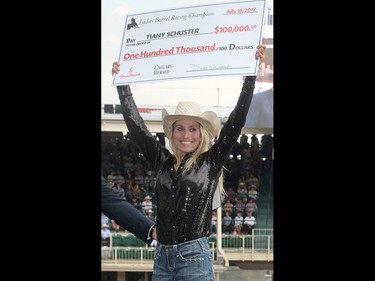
(191, 110)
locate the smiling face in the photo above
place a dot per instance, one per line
(186, 136)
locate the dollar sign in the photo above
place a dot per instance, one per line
(216, 29)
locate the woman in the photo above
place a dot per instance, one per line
(187, 178)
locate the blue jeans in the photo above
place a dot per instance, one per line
(187, 261)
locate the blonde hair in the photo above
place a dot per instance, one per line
(203, 146)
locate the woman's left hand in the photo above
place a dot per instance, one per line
(261, 52)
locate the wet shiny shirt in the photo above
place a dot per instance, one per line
(184, 201)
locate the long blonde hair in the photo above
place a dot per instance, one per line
(203, 146)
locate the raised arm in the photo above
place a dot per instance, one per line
(151, 149)
(236, 120)
(125, 214)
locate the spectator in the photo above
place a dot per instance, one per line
(249, 223)
(254, 145)
(266, 148)
(238, 221)
(245, 159)
(137, 192)
(147, 180)
(150, 214)
(118, 187)
(244, 201)
(136, 203)
(243, 140)
(106, 235)
(242, 190)
(139, 177)
(253, 193)
(227, 226)
(239, 206)
(128, 191)
(230, 193)
(147, 204)
(115, 226)
(111, 177)
(142, 191)
(251, 206)
(105, 219)
(228, 207)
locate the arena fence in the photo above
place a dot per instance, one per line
(257, 246)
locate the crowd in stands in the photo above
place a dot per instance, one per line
(125, 169)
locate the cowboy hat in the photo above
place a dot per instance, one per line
(191, 110)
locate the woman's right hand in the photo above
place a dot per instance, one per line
(115, 68)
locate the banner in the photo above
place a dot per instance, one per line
(191, 42)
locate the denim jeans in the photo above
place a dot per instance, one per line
(187, 261)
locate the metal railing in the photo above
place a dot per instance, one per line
(257, 246)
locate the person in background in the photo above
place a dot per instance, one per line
(239, 206)
(228, 222)
(150, 214)
(146, 204)
(228, 207)
(242, 190)
(249, 222)
(253, 193)
(115, 226)
(238, 222)
(189, 184)
(121, 190)
(251, 206)
(105, 219)
(106, 235)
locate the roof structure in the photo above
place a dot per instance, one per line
(114, 122)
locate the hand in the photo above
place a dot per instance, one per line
(115, 68)
(261, 53)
